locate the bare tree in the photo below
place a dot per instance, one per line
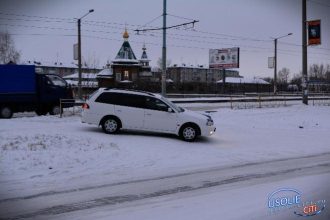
(8, 52)
(296, 79)
(317, 71)
(283, 75)
(160, 63)
(91, 62)
(327, 73)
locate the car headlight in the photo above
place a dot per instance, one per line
(209, 122)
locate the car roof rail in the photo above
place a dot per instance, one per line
(131, 90)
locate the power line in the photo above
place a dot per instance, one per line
(133, 25)
(235, 36)
(288, 52)
(145, 25)
(40, 27)
(182, 39)
(52, 19)
(170, 27)
(34, 20)
(34, 16)
(114, 27)
(319, 3)
(176, 16)
(300, 45)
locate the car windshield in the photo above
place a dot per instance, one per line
(172, 105)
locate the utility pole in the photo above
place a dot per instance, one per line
(164, 51)
(304, 55)
(164, 28)
(275, 66)
(79, 59)
(79, 52)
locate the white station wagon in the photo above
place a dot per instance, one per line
(115, 109)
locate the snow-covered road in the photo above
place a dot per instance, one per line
(118, 195)
(58, 165)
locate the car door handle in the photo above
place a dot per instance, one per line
(148, 114)
(118, 110)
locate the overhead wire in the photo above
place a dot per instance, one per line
(211, 35)
(319, 3)
(268, 49)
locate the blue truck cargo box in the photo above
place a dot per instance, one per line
(17, 79)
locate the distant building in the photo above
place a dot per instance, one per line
(243, 85)
(190, 74)
(61, 69)
(242, 80)
(105, 78)
(88, 80)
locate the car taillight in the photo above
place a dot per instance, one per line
(85, 106)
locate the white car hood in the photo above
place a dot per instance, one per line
(196, 115)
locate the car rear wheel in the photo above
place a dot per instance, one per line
(189, 133)
(110, 125)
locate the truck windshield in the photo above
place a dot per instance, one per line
(56, 80)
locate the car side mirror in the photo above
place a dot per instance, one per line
(169, 110)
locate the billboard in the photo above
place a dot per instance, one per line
(314, 32)
(224, 58)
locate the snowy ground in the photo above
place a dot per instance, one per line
(40, 155)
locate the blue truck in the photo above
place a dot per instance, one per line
(26, 88)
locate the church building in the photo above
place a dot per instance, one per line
(126, 69)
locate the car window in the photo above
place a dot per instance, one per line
(131, 100)
(108, 98)
(122, 99)
(156, 104)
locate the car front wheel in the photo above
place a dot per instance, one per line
(110, 126)
(188, 133)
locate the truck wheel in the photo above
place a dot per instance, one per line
(55, 110)
(6, 112)
(41, 111)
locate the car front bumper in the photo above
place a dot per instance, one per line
(208, 131)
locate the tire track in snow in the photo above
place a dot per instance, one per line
(199, 182)
(50, 193)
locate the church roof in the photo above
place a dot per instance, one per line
(126, 54)
(144, 56)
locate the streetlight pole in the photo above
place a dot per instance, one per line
(79, 52)
(275, 61)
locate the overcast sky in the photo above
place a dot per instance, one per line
(45, 30)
